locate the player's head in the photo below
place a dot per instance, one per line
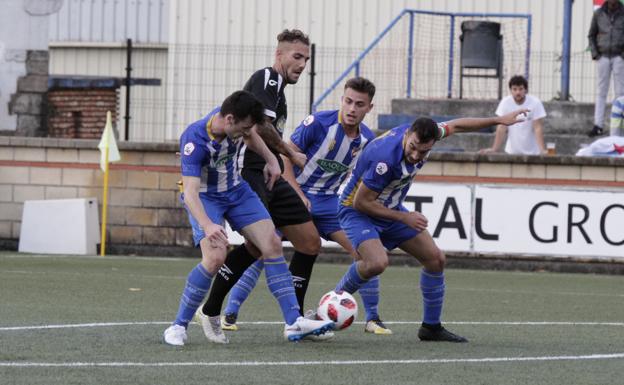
(357, 100)
(420, 138)
(292, 54)
(241, 111)
(518, 87)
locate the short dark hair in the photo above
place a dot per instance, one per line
(242, 104)
(519, 80)
(426, 129)
(292, 35)
(361, 84)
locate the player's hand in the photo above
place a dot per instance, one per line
(271, 173)
(514, 117)
(416, 220)
(216, 235)
(298, 159)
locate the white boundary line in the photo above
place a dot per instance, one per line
(494, 323)
(315, 363)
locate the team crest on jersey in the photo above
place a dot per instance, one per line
(309, 120)
(223, 160)
(381, 168)
(189, 148)
(331, 166)
(332, 144)
(354, 151)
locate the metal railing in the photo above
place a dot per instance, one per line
(355, 65)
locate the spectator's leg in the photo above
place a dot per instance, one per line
(602, 88)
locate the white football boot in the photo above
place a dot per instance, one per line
(175, 335)
(212, 328)
(304, 327)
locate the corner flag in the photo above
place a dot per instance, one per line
(109, 153)
(108, 143)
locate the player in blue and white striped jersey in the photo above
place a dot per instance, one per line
(331, 141)
(372, 214)
(214, 192)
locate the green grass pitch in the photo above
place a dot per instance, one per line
(99, 320)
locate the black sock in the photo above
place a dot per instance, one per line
(301, 266)
(236, 262)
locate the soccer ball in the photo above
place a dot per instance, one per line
(339, 307)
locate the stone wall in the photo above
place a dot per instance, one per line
(28, 102)
(145, 210)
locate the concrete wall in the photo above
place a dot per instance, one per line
(144, 206)
(566, 123)
(23, 28)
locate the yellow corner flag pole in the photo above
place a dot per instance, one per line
(105, 199)
(109, 153)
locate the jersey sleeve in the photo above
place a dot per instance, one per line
(192, 156)
(304, 134)
(378, 175)
(264, 85)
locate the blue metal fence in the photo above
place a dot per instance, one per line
(355, 65)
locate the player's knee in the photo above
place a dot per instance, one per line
(311, 246)
(437, 263)
(272, 248)
(377, 266)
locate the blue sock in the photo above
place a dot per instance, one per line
(432, 287)
(370, 297)
(197, 285)
(280, 283)
(351, 281)
(243, 287)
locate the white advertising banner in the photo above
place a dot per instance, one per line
(549, 222)
(516, 220)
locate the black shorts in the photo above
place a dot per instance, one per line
(283, 203)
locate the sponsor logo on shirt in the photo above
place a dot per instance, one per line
(405, 181)
(331, 166)
(272, 83)
(189, 148)
(223, 160)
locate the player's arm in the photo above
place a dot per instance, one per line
(460, 125)
(214, 233)
(268, 133)
(365, 200)
(256, 144)
(289, 176)
(538, 129)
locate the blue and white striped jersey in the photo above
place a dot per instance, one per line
(331, 153)
(382, 168)
(214, 162)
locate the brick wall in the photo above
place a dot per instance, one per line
(144, 207)
(80, 113)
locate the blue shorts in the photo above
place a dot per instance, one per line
(239, 206)
(324, 210)
(361, 227)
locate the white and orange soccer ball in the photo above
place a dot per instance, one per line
(339, 307)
